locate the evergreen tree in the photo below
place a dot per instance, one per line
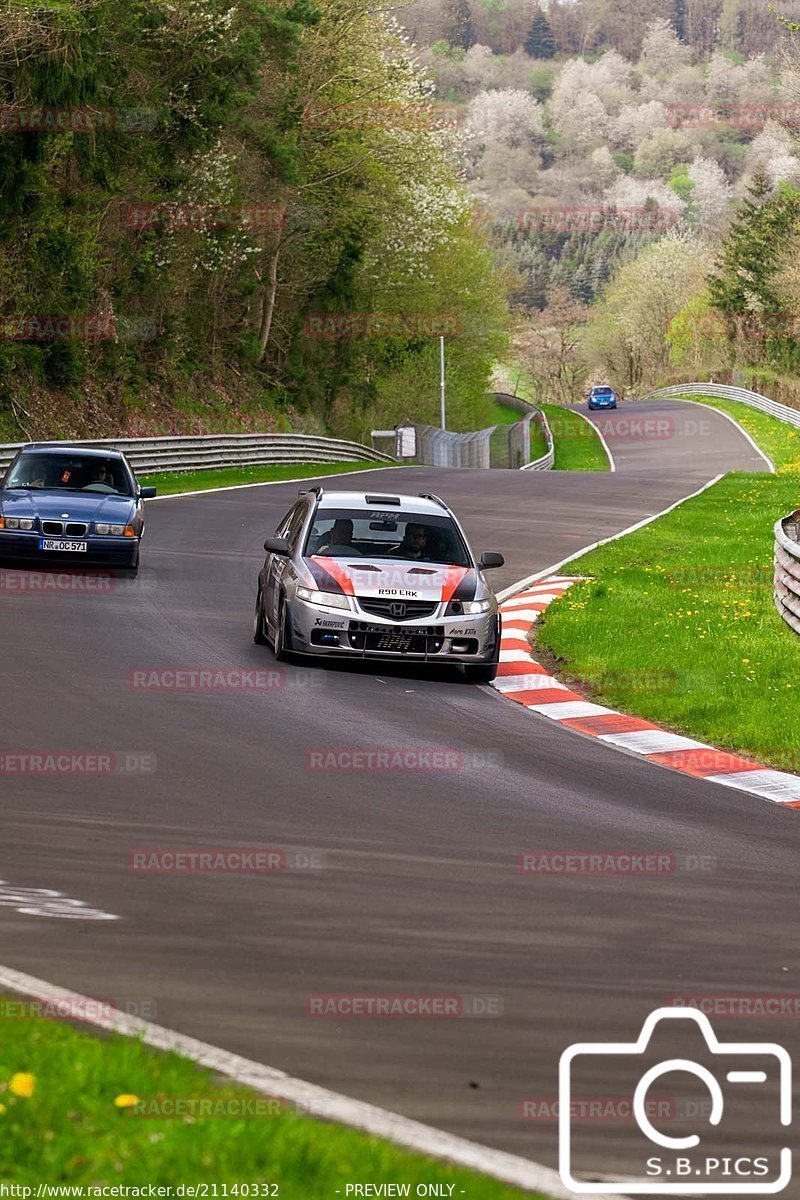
(743, 285)
(459, 30)
(540, 42)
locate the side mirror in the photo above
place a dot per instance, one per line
(490, 559)
(276, 545)
(148, 493)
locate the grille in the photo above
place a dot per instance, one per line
(52, 527)
(412, 610)
(76, 529)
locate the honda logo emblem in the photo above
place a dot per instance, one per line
(397, 610)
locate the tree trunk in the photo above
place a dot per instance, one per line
(269, 305)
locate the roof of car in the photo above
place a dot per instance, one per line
(64, 448)
(369, 501)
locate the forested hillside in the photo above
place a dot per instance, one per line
(202, 202)
(635, 160)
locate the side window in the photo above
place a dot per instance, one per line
(284, 525)
(296, 522)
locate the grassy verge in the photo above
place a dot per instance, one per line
(80, 1125)
(678, 623)
(169, 483)
(577, 446)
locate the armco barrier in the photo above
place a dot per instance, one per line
(787, 570)
(150, 455)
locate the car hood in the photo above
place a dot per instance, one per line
(78, 506)
(401, 579)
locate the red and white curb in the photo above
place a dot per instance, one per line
(521, 679)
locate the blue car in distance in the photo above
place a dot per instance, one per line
(71, 504)
(602, 397)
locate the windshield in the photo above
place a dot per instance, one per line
(71, 473)
(381, 535)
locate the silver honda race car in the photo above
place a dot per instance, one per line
(357, 575)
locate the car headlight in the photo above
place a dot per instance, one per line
(331, 599)
(468, 608)
(104, 530)
(16, 523)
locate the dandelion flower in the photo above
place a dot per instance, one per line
(22, 1084)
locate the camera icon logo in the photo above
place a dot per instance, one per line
(687, 1164)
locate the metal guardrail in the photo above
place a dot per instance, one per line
(151, 455)
(787, 570)
(791, 416)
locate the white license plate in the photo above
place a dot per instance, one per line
(65, 547)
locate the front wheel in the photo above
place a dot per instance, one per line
(282, 645)
(259, 628)
(480, 672)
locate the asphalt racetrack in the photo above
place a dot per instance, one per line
(421, 892)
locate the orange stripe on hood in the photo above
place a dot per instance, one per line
(337, 572)
(452, 579)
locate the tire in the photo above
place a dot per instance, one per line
(282, 645)
(132, 570)
(480, 672)
(259, 627)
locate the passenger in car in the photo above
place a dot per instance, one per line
(340, 539)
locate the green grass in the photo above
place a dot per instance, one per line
(169, 483)
(678, 624)
(69, 1131)
(577, 446)
(509, 416)
(504, 416)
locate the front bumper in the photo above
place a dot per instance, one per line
(437, 639)
(100, 551)
(597, 404)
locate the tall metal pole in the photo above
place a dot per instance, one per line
(443, 396)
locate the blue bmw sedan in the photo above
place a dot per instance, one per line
(73, 504)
